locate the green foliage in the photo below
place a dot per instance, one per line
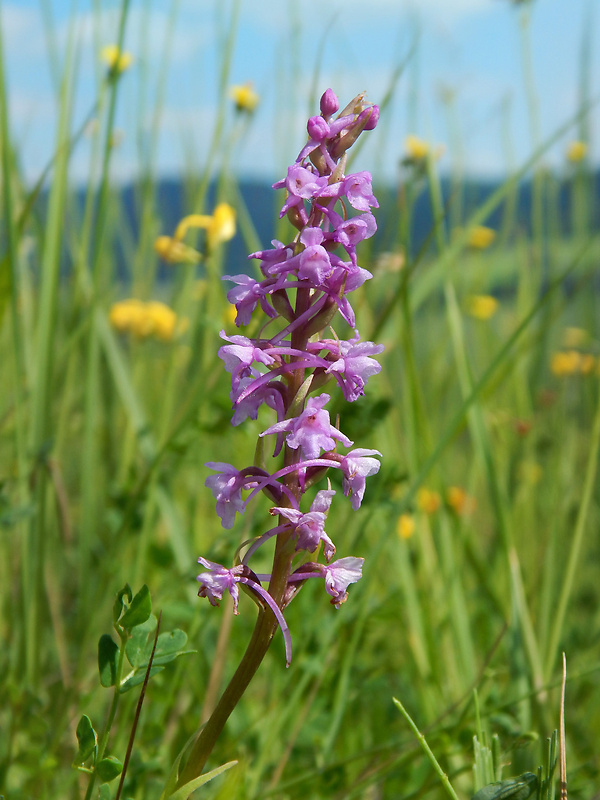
(124, 597)
(87, 739)
(521, 788)
(108, 653)
(186, 791)
(108, 768)
(138, 612)
(147, 653)
(169, 646)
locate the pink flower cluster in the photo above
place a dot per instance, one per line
(304, 285)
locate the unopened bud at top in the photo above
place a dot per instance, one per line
(373, 118)
(329, 103)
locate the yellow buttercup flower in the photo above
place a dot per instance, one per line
(161, 321)
(576, 151)
(428, 500)
(126, 315)
(565, 363)
(416, 149)
(169, 249)
(481, 306)
(219, 226)
(244, 97)
(116, 60)
(405, 526)
(144, 320)
(481, 237)
(222, 226)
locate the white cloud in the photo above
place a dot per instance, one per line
(20, 27)
(278, 14)
(16, 21)
(449, 10)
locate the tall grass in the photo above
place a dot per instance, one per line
(462, 612)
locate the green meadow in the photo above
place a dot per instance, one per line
(443, 672)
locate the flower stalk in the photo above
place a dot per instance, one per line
(304, 285)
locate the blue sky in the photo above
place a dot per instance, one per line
(463, 87)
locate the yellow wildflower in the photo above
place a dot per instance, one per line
(160, 321)
(459, 501)
(576, 151)
(481, 306)
(565, 362)
(405, 526)
(126, 315)
(222, 225)
(244, 97)
(169, 249)
(428, 500)
(116, 61)
(481, 237)
(146, 319)
(416, 149)
(219, 226)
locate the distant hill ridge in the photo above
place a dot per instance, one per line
(264, 204)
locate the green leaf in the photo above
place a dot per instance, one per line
(521, 788)
(168, 645)
(137, 678)
(185, 791)
(104, 792)
(108, 653)
(118, 606)
(108, 768)
(87, 739)
(139, 610)
(136, 649)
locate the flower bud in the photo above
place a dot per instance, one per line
(295, 217)
(329, 103)
(322, 319)
(373, 117)
(282, 305)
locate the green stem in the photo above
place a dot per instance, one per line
(266, 624)
(111, 714)
(265, 628)
(428, 751)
